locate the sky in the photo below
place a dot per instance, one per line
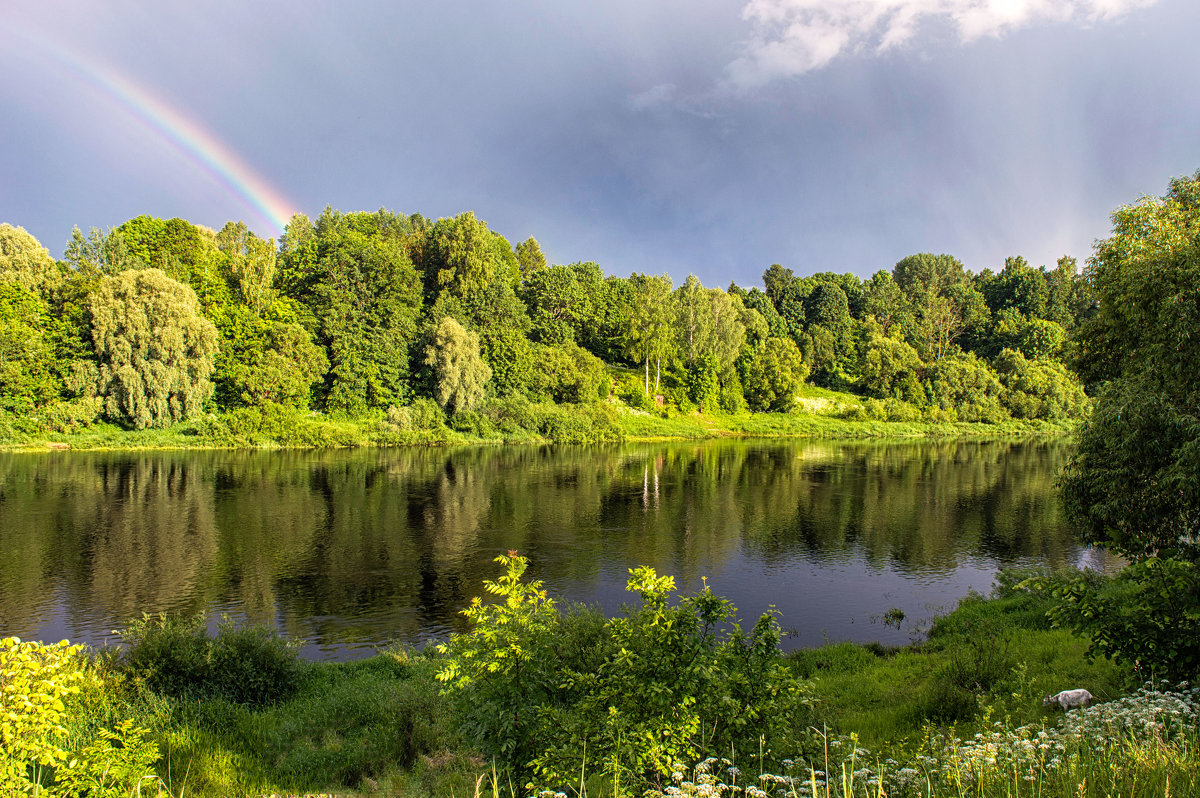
(706, 137)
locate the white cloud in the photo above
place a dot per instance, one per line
(792, 37)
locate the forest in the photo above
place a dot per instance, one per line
(416, 326)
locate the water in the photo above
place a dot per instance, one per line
(350, 550)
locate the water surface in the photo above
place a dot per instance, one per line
(349, 550)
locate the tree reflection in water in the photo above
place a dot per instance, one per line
(349, 549)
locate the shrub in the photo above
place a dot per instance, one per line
(425, 414)
(553, 693)
(1146, 615)
(175, 657)
(35, 680)
(473, 423)
(631, 389)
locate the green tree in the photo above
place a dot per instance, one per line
(773, 375)
(154, 347)
(459, 371)
(1039, 388)
(363, 296)
(967, 386)
(251, 265)
(28, 371)
(557, 301)
(648, 334)
(462, 257)
(569, 373)
(888, 363)
(786, 292)
(943, 300)
(1018, 286)
(100, 252)
(729, 329)
(694, 323)
(530, 257)
(1133, 484)
(24, 261)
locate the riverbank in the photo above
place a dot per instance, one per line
(959, 712)
(821, 414)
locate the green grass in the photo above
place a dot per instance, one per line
(888, 698)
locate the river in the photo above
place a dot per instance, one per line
(350, 550)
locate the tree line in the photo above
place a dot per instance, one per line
(361, 314)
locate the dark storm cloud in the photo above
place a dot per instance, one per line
(674, 136)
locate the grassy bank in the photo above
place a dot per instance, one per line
(820, 414)
(958, 713)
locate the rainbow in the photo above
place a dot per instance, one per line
(171, 125)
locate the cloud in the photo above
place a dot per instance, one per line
(662, 94)
(792, 37)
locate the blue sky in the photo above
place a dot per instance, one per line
(713, 137)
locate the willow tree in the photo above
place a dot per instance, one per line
(24, 261)
(459, 371)
(155, 349)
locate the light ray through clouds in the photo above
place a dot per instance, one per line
(792, 37)
(170, 124)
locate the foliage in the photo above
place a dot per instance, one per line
(1148, 615)
(552, 692)
(500, 669)
(648, 331)
(568, 373)
(459, 370)
(462, 257)
(364, 296)
(341, 315)
(35, 680)
(174, 656)
(114, 766)
(25, 262)
(154, 348)
(28, 368)
(772, 375)
(968, 387)
(889, 368)
(1040, 388)
(631, 391)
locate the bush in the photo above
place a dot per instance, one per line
(175, 657)
(1147, 616)
(34, 681)
(473, 423)
(590, 423)
(664, 682)
(631, 389)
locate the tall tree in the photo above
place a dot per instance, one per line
(155, 349)
(773, 375)
(459, 371)
(24, 261)
(694, 323)
(1134, 481)
(649, 332)
(28, 370)
(365, 298)
(530, 257)
(462, 257)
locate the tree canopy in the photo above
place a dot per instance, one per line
(155, 349)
